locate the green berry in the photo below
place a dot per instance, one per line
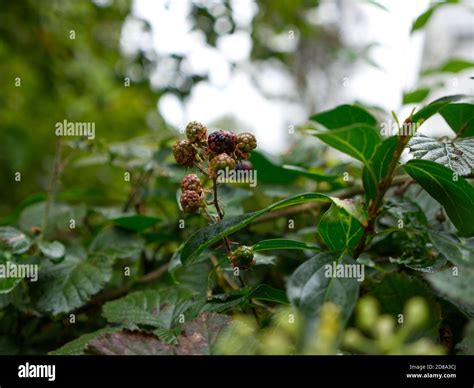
(190, 201)
(184, 153)
(191, 182)
(246, 142)
(220, 163)
(196, 132)
(242, 257)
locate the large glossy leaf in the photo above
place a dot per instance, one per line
(211, 234)
(66, 286)
(358, 141)
(456, 250)
(466, 346)
(309, 288)
(281, 243)
(344, 116)
(14, 240)
(136, 222)
(53, 250)
(425, 17)
(271, 170)
(379, 164)
(7, 283)
(456, 155)
(434, 107)
(393, 290)
(267, 293)
(457, 196)
(460, 117)
(339, 229)
(455, 284)
(77, 346)
(415, 96)
(151, 308)
(454, 65)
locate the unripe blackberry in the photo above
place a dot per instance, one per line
(246, 142)
(191, 182)
(196, 132)
(221, 162)
(190, 201)
(222, 142)
(242, 257)
(184, 153)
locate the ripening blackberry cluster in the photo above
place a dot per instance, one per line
(209, 154)
(220, 150)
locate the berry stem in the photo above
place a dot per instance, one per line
(219, 210)
(200, 169)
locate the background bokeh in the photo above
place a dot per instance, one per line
(261, 66)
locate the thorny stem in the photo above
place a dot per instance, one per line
(226, 240)
(375, 205)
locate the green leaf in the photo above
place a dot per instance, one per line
(155, 308)
(77, 346)
(415, 96)
(14, 240)
(118, 243)
(211, 234)
(456, 196)
(269, 294)
(302, 172)
(358, 141)
(281, 243)
(310, 286)
(136, 222)
(66, 286)
(434, 107)
(198, 338)
(393, 290)
(456, 155)
(344, 116)
(455, 65)
(379, 164)
(456, 284)
(7, 283)
(424, 18)
(59, 216)
(272, 171)
(460, 117)
(339, 229)
(53, 250)
(454, 249)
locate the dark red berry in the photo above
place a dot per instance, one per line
(190, 201)
(222, 142)
(191, 182)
